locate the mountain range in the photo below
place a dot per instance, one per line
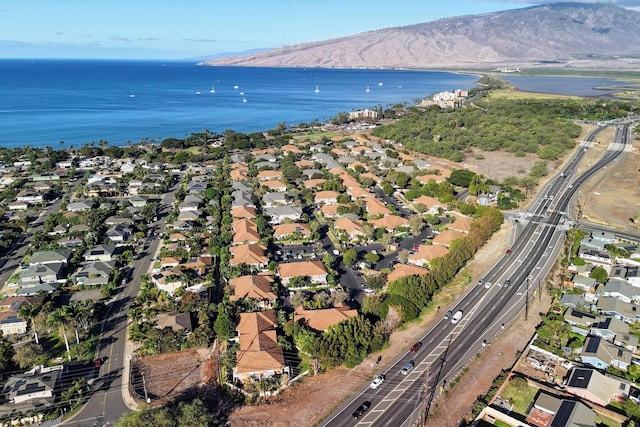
(559, 34)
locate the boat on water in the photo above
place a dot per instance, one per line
(380, 84)
(236, 87)
(197, 92)
(241, 93)
(212, 89)
(367, 89)
(317, 89)
(244, 99)
(132, 95)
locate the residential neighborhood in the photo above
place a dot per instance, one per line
(265, 256)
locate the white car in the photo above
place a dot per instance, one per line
(487, 285)
(377, 381)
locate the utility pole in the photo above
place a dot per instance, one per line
(144, 386)
(539, 289)
(426, 402)
(526, 302)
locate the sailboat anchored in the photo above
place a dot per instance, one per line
(317, 89)
(367, 89)
(213, 90)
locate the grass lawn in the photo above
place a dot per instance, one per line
(516, 94)
(604, 421)
(519, 394)
(500, 423)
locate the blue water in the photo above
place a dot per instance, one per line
(43, 102)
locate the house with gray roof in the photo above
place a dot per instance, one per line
(79, 207)
(118, 233)
(241, 186)
(601, 354)
(596, 387)
(582, 319)
(309, 173)
(274, 199)
(585, 283)
(620, 289)
(280, 213)
(599, 257)
(633, 275)
(615, 331)
(33, 390)
(618, 271)
(113, 220)
(611, 306)
(270, 158)
(267, 165)
(559, 412)
(94, 273)
(572, 300)
(43, 273)
(55, 256)
(101, 253)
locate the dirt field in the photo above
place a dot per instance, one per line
(168, 375)
(612, 197)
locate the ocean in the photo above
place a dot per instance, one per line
(44, 102)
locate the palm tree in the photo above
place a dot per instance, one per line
(28, 312)
(60, 318)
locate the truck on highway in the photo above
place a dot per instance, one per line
(456, 317)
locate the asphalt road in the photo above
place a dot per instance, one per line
(447, 347)
(111, 387)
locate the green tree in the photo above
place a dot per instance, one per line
(350, 256)
(599, 273)
(224, 326)
(7, 354)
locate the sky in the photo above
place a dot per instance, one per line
(199, 29)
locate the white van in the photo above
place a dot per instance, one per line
(456, 317)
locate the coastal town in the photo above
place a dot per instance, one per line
(259, 268)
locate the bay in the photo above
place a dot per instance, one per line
(565, 85)
(43, 102)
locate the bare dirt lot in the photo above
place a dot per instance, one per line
(168, 375)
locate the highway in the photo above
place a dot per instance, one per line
(497, 300)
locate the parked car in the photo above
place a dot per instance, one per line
(361, 409)
(416, 347)
(377, 381)
(407, 367)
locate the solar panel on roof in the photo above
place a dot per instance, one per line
(593, 344)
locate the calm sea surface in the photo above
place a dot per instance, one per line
(44, 102)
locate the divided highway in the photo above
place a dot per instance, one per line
(488, 305)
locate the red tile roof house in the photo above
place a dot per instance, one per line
(352, 228)
(282, 231)
(269, 175)
(331, 211)
(446, 237)
(462, 223)
(321, 320)
(254, 286)
(243, 212)
(376, 207)
(426, 254)
(433, 206)
(390, 222)
(403, 270)
(274, 185)
(259, 356)
(245, 231)
(253, 255)
(326, 197)
(313, 183)
(359, 193)
(314, 270)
